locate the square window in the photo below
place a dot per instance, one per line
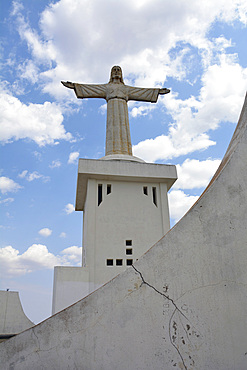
(129, 262)
(128, 242)
(119, 262)
(128, 250)
(109, 262)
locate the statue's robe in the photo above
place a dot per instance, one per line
(117, 95)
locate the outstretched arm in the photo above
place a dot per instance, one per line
(85, 90)
(145, 94)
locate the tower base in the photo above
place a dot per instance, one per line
(125, 212)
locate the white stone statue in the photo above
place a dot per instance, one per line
(117, 94)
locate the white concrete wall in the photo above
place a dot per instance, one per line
(120, 170)
(70, 284)
(181, 306)
(12, 317)
(126, 213)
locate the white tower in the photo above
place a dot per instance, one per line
(124, 201)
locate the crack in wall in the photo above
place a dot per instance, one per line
(33, 331)
(172, 323)
(211, 286)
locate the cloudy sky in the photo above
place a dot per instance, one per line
(198, 49)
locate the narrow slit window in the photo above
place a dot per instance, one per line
(129, 251)
(129, 262)
(128, 242)
(145, 190)
(119, 262)
(108, 189)
(154, 196)
(99, 194)
(109, 262)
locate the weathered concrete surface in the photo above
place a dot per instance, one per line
(182, 306)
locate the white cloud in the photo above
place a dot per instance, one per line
(167, 147)
(69, 208)
(16, 7)
(63, 235)
(195, 174)
(220, 100)
(30, 176)
(6, 201)
(23, 174)
(55, 164)
(36, 257)
(41, 50)
(180, 203)
(45, 232)
(223, 91)
(8, 185)
(29, 71)
(73, 157)
(41, 123)
(141, 110)
(37, 155)
(73, 35)
(192, 174)
(73, 253)
(33, 176)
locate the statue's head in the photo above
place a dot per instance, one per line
(116, 74)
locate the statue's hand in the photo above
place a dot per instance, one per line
(68, 84)
(164, 91)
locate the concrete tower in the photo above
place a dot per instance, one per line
(124, 199)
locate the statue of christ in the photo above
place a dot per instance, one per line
(117, 94)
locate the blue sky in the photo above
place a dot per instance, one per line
(197, 49)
